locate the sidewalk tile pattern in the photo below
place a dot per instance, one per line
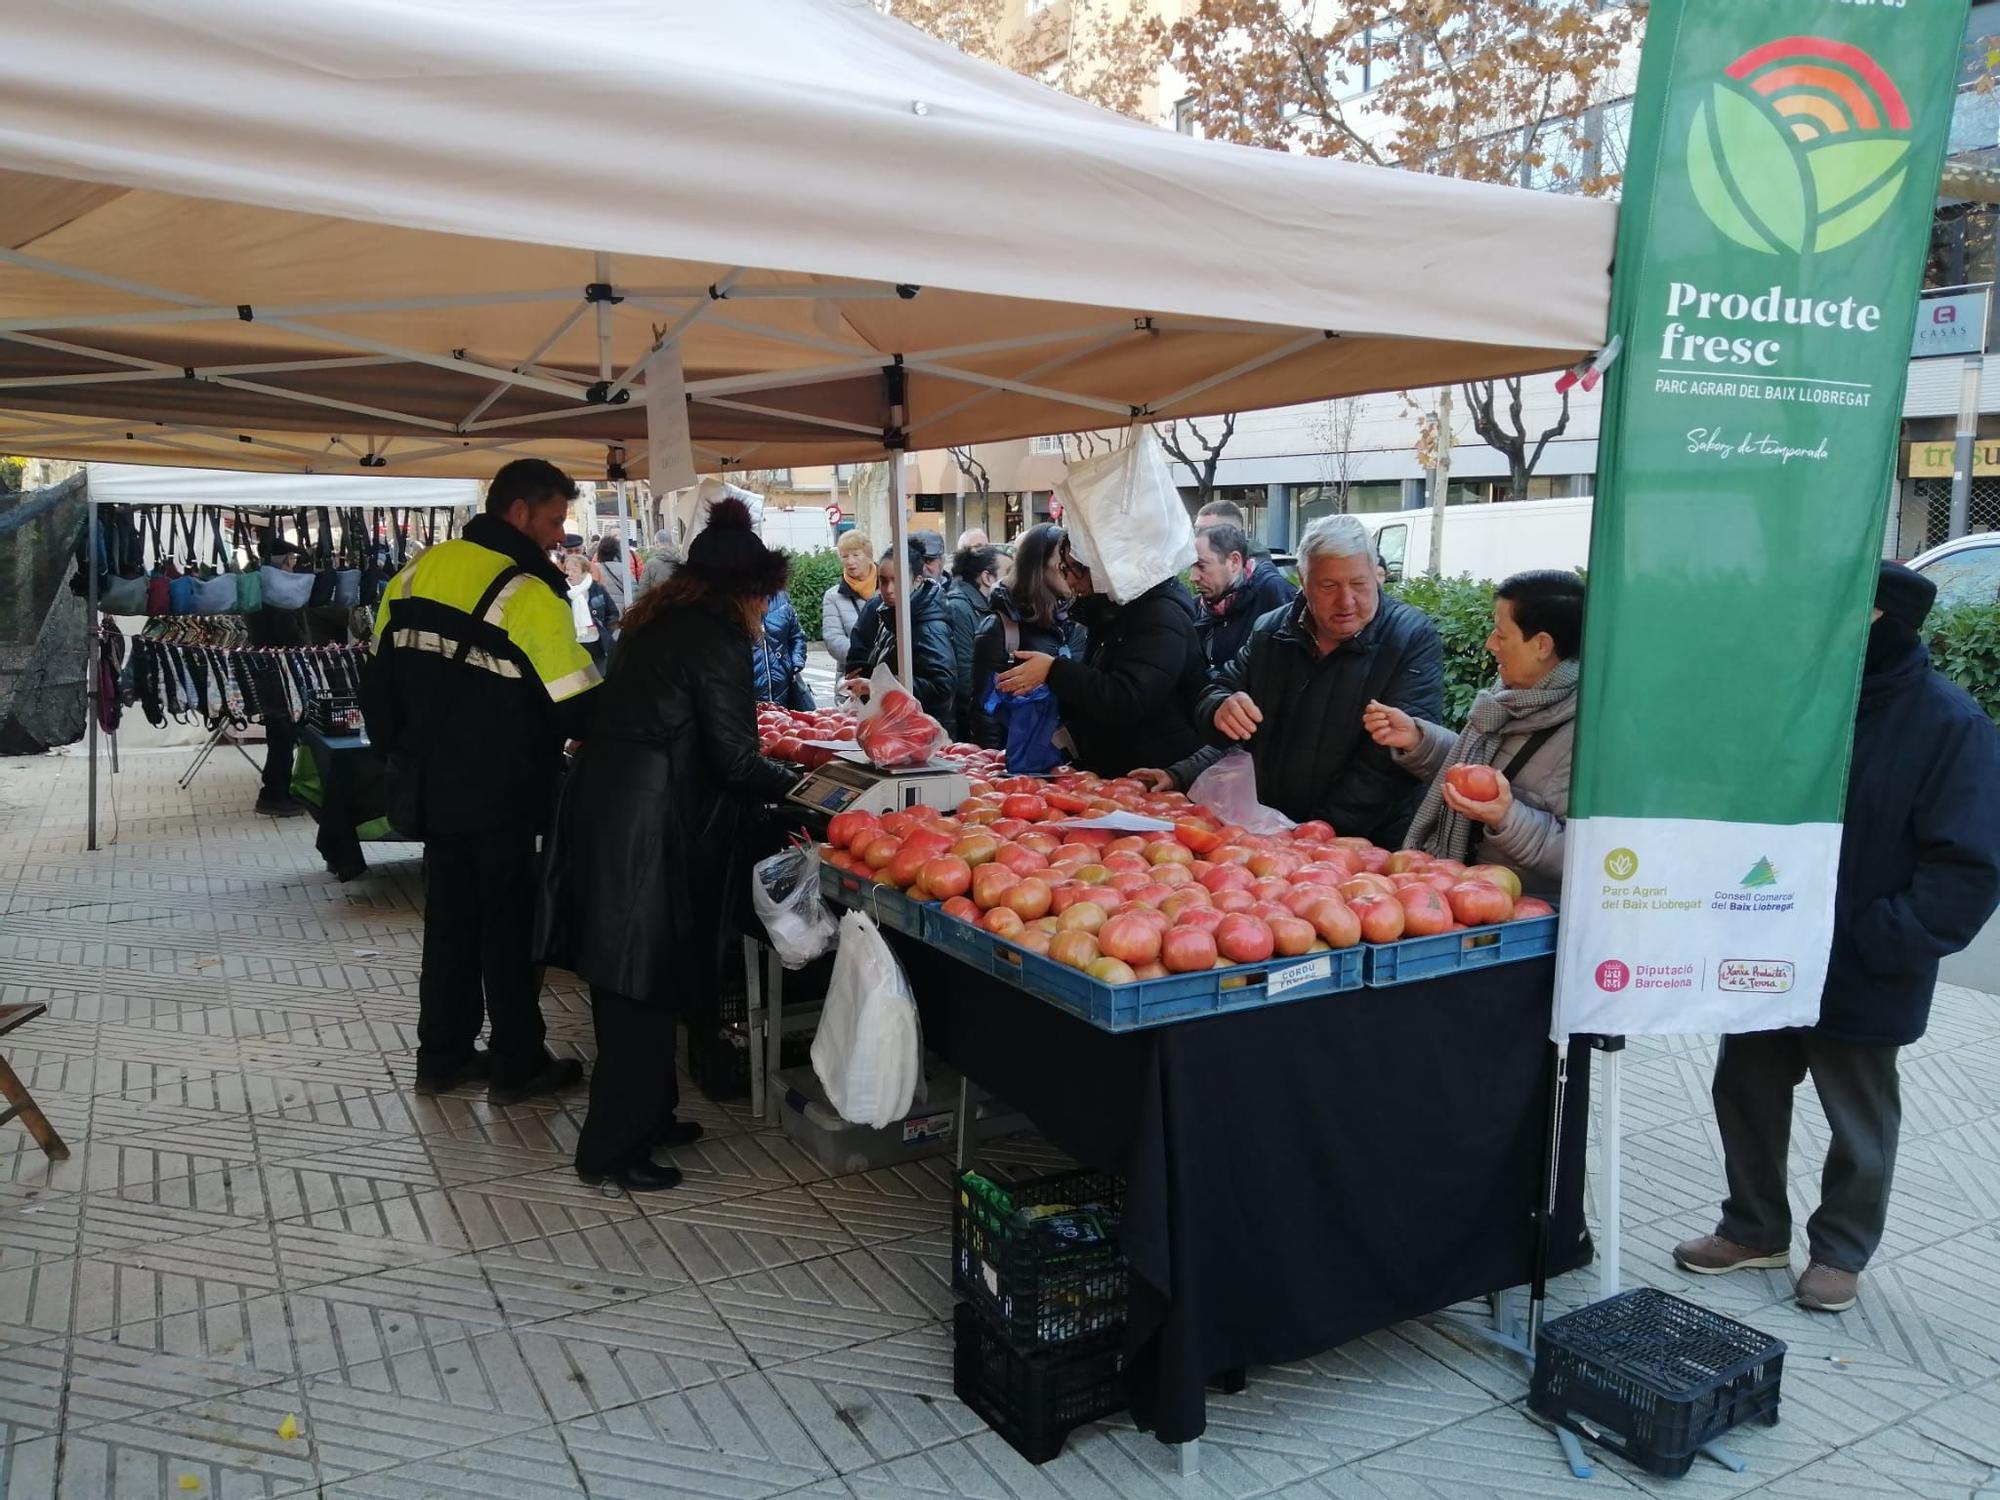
(263, 1226)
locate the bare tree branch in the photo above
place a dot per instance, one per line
(1203, 467)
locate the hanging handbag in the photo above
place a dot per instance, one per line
(347, 572)
(249, 582)
(375, 570)
(123, 596)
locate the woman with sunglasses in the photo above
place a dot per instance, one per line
(1130, 698)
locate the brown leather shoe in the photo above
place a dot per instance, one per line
(1826, 1288)
(1712, 1255)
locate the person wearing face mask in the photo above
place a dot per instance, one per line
(1294, 695)
(1919, 877)
(1524, 726)
(1236, 590)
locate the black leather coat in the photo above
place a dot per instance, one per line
(1130, 702)
(649, 855)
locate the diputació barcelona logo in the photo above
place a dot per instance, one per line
(1802, 147)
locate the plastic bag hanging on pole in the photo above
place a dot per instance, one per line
(784, 891)
(669, 444)
(1125, 518)
(868, 1052)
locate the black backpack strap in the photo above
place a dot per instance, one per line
(1527, 752)
(506, 576)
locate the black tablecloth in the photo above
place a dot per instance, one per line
(1298, 1175)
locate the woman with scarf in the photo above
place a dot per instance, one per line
(1524, 726)
(840, 609)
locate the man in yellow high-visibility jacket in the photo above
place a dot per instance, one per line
(476, 681)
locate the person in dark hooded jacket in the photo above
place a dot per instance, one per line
(968, 593)
(649, 840)
(1131, 698)
(1919, 877)
(874, 639)
(778, 660)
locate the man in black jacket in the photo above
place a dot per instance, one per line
(1919, 877)
(1236, 590)
(476, 681)
(874, 639)
(1293, 696)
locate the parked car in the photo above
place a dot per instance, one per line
(1966, 570)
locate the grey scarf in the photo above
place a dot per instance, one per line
(1496, 713)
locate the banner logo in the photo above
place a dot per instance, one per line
(1761, 874)
(1621, 864)
(1801, 148)
(1613, 976)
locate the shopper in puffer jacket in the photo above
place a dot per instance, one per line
(778, 660)
(975, 573)
(841, 606)
(874, 640)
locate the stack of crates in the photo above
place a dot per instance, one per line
(1040, 1334)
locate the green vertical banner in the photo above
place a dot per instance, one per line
(1784, 161)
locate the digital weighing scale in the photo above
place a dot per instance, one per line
(848, 783)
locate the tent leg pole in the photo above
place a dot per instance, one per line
(90, 650)
(1611, 1149)
(899, 528)
(1551, 1178)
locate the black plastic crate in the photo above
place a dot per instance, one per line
(1045, 1277)
(1035, 1398)
(1653, 1376)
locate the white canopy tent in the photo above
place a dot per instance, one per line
(410, 234)
(144, 484)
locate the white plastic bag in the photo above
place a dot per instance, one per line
(1126, 520)
(784, 890)
(1229, 790)
(868, 1053)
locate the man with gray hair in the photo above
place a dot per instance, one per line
(1294, 695)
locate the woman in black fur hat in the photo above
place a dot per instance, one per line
(648, 836)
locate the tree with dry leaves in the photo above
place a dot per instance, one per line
(1107, 52)
(1509, 91)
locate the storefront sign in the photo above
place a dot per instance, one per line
(1950, 325)
(1940, 460)
(1784, 156)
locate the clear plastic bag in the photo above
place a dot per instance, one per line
(784, 890)
(892, 728)
(869, 1051)
(1229, 790)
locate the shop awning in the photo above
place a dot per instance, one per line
(426, 236)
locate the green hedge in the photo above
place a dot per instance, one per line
(1965, 641)
(1463, 613)
(1965, 646)
(813, 573)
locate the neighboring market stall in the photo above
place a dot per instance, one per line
(191, 658)
(391, 242)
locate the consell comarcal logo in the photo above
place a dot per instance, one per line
(1801, 148)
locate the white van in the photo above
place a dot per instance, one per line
(1486, 541)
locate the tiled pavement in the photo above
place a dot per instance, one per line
(261, 1222)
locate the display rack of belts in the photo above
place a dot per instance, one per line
(251, 615)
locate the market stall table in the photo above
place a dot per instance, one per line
(1297, 1175)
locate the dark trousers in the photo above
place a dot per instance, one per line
(633, 1090)
(281, 742)
(479, 924)
(1858, 1088)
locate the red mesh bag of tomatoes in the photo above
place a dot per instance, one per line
(893, 729)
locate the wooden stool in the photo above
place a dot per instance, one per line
(19, 1100)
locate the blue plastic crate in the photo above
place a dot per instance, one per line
(888, 906)
(1456, 952)
(1151, 1002)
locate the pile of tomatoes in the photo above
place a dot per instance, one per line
(1202, 895)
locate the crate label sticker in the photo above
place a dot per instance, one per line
(1282, 980)
(928, 1128)
(991, 1278)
